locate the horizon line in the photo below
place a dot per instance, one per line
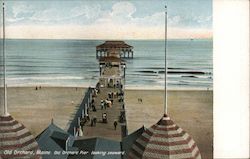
(105, 39)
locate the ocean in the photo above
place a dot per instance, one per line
(73, 63)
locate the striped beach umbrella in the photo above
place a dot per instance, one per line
(15, 140)
(164, 140)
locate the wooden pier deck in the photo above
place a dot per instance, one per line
(105, 130)
(101, 129)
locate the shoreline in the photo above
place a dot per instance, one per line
(129, 88)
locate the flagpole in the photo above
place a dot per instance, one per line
(166, 69)
(4, 65)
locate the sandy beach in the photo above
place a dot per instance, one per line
(190, 109)
(35, 108)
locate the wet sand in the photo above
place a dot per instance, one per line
(191, 110)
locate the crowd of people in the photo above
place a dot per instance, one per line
(104, 104)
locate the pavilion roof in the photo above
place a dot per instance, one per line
(97, 144)
(53, 139)
(114, 44)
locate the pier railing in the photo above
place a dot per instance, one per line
(122, 117)
(81, 112)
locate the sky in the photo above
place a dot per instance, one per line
(109, 19)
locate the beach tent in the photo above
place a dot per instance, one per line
(128, 141)
(164, 140)
(15, 137)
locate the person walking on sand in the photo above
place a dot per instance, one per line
(115, 124)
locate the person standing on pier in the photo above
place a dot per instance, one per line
(115, 124)
(102, 104)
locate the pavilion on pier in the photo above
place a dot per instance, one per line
(117, 49)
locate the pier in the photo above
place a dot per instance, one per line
(102, 111)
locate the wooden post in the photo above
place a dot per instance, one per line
(90, 97)
(100, 70)
(83, 114)
(88, 102)
(124, 71)
(74, 131)
(80, 133)
(86, 112)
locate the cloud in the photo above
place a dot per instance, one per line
(194, 21)
(89, 12)
(22, 8)
(47, 15)
(30, 13)
(123, 9)
(91, 21)
(156, 19)
(122, 13)
(12, 20)
(175, 20)
(19, 12)
(55, 15)
(101, 32)
(203, 20)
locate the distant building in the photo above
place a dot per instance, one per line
(117, 49)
